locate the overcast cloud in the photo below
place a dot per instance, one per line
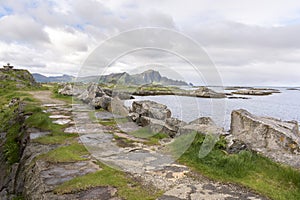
(250, 42)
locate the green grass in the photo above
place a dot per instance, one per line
(127, 188)
(11, 123)
(154, 140)
(57, 138)
(18, 198)
(246, 168)
(108, 122)
(56, 95)
(71, 153)
(180, 144)
(42, 121)
(12, 146)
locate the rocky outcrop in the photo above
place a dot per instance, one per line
(276, 139)
(91, 92)
(20, 78)
(151, 109)
(207, 93)
(67, 90)
(147, 77)
(256, 91)
(101, 102)
(10, 163)
(158, 118)
(202, 92)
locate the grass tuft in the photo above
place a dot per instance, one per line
(70, 153)
(246, 168)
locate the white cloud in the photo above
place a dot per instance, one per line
(22, 29)
(255, 37)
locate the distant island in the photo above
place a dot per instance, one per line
(146, 77)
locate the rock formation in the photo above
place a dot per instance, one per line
(256, 91)
(207, 93)
(276, 139)
(19, 78)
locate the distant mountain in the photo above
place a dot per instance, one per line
(45, 79)
(147, 77)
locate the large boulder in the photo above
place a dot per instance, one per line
(151, 109)
(67, 90)
(202, 125)
(155, 125)
(276, 139)
(172, 126)
(101, 102)
(117, 107)
(92, 91)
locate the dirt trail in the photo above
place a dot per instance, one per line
(45, 97)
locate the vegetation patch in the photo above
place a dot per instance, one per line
(55, 87)
(70, 153)
(246, 168)
(127, 188)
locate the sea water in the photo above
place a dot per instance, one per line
(284, 106)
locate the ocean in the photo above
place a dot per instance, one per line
(284, 106)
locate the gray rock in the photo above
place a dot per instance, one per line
(256, 91)
(155, 125)
(237, 146)
(101, 102)
(151, 109)
(133, 116)
(203, 120)
(172, 126)
(66, 90)
(201, 129)
(117, 107)
(263, 132)
(92, 91)
(207, 93)
(276, 139)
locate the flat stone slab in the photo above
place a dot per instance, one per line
(59, 117)
(36, 135)
(85, 128)
(62, 121)
(53, 105)
(104, 115)
(55, 174)
(128, 127)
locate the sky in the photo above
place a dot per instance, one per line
(249, 42)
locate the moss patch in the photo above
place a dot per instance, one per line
(70, 153)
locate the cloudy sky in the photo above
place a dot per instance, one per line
(249, 42)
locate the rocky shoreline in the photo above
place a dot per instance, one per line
(275, 139)
(155, 90)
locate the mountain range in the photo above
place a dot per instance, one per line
(146, 77)
(48, 79)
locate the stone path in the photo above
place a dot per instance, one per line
(150, 165)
